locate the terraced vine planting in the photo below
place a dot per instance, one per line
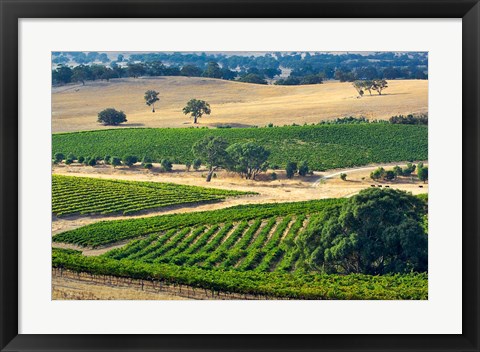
(322, 146)
(83, 195)
(246, 249)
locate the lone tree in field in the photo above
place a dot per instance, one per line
(212, 151)
(151, 97)
(362, 86)
(248, 159)
(358, 85)
(375, 232)
(111, 117)
(379, 85)
(197, 108)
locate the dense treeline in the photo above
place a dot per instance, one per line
(303, 68)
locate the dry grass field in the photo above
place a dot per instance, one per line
(75, 107)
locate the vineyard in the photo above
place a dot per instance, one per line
(82, 195)
(322, 146)
(291, 285)
(105, 232)
(247, 249)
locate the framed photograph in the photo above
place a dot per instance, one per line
(240, 176)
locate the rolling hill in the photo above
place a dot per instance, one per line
(75, 107)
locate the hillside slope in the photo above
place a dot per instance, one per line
(75, 107)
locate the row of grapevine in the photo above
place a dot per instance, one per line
(322, 146)
(272, 284)
(106, 232)
(245, 245)
(83, 195)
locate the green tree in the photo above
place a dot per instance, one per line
(389, 175)
(111, 117)
(151, 97)
(375, 232)
(196, 164)
(303, 169)
(197, 108)
(407, 171)
(252, 78)
(377, 174)
(129, 160)
(423, 174)
(379, 85)
(116, 161)
(191, 71)
(248, 159)
(398, 170)
(291, 169)
(212, 70)
(58, 157)
(166, 165)
(213, 152)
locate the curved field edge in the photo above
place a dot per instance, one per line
(84, 195)
(106, 232)
(322, 146)
(272, 284)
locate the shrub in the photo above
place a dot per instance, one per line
(409, 169)
(389, 175)
(291, 169)
(107, 159)
(377, 174)
(196, 164)
(81, 159)
(273, 176)
(58, 157)
(92, 162)
(68, 161)
(188, 165)
(398, 171)
(71, 156)
(129, 160)
(146, 160)
(111, 117)
(343, 176)
(303, 169)
(166, 165)
(148, 166)
(116, 161)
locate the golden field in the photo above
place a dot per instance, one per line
(75, 107)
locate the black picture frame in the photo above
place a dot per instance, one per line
(11, 11)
